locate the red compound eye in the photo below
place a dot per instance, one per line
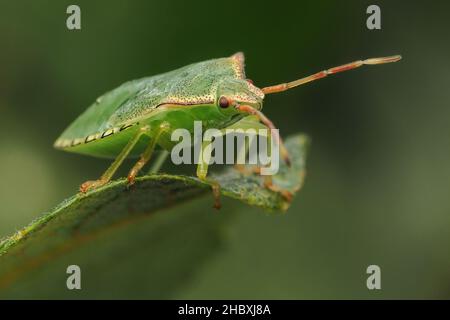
(224, 102)
(250, 81)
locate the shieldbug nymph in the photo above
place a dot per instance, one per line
(139, 116)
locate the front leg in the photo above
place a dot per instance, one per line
(252, 122)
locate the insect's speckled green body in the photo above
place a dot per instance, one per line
(178, 98)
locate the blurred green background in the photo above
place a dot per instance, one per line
(377, 188)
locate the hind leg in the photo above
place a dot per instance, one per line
(116, 164)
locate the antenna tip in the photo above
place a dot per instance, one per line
(396, 58)
(383, 60)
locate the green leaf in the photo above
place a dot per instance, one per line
(104, 216)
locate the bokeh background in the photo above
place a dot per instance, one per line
(378, 181)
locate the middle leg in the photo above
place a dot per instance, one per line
(147, 154)
(202, 171)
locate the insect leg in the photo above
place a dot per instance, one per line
(202, 171)
(242, 154)
(322, 74)
(117, 162)
(286, 194)
(264, 120)
(249, 122)
(147, 154)
(252, 122)
(156, 165)
(202, 167)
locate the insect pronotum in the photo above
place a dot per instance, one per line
(140, 115)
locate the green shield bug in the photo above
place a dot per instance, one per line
(140, 115)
